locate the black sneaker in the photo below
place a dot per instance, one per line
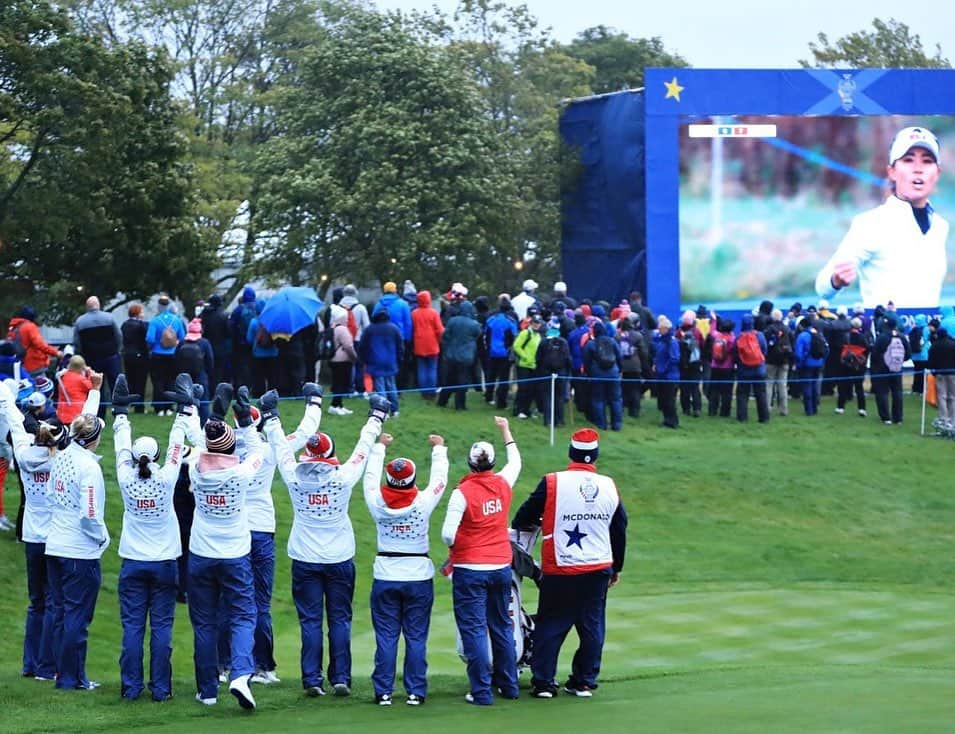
(581, 691)
(543, 692)
(415, 700)
(383, 699)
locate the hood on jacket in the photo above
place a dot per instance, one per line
(746, 323)
(259, 305)
(338, 315)
(212, 465)
(348, 302)
(466, 308)
(599, 329)
(424, 299)
(248, 295)
(381, 316)
(35, 458)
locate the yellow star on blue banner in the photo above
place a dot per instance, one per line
(673, 89)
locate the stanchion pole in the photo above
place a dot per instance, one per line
(924, 391)
(553, 385)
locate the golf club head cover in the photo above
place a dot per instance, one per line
(221, 401)
(312, 393)
(181, 394)
(121, 397)
(269, 405)
(379, 407)
(242, 407)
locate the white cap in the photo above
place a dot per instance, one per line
(36, 400)
(560, 287)
(530, 285)
(842, 310)
(913, 137)
(145, 446)
(481, 451)
(823, 303)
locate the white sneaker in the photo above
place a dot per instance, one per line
(5, 523)
(346, 411)
(206, 701)
(383, 700)
(862, 413)
(341, 689)
(523, 416)
(395, 414)
(224, 676)
(840, 411)
(240, 689)
(265, 678)
(314, 691)
(335, 410)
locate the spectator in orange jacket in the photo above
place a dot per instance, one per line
(36, 361)
(426, 329)
(76, 381)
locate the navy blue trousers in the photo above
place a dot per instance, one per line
(401, 607)
(564, 602)
(481, 600)
(147, 589)
(263, 573)
(231, 580)
(75, 585)
(38, 657)
(320, 588)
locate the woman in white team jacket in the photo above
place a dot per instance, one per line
(402, 593)
(34, 455)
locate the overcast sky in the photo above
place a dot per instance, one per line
(734, 34)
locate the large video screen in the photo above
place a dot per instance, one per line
(766, 202)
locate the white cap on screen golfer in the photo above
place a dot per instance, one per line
(913, 137)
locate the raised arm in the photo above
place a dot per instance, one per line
(371, 484)
(14, 418)
(312, 418)
(438, 480)
(512, 468)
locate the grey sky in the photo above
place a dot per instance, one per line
(736, 34)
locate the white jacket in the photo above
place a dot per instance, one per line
(259, 499)
(404, 530)
(77, 525)
(320, 492)
(150, 527)
(220, 482)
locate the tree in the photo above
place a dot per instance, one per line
(95, 195)
(619, 61)
(385, 166)
(890, 45)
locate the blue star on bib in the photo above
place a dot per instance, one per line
(575, 536)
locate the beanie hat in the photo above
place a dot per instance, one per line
(248, 294)
(145, 446)
(194, 331)
(701, 311)
(215, 300)
(481, 456)
(320, 446)
(400, 474)
(44, 385)
(408, 288)
(28, 313)
(220, 438)
(390, 287)
(584, 446)
(90, 434)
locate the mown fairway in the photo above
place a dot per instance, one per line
(794, 577)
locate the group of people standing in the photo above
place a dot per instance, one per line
(229, 466)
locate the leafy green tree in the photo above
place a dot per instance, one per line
(95, 195)
(890, 44)
(618, 59)
(385, 166)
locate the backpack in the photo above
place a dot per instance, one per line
(720, 347)
(626, 346)
(352, 323)
(604, 352)
(168, 338)
(778, 346)
(262, 337)
(853, 357)
(915, 339)
(325, 343)
(817, 345)
(554, 355)
(747, 347)
(189, 359)
(689, 349)
(16, 341)
(894, 354)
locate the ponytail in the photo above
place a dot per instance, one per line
(144, 471)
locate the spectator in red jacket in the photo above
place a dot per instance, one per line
(76, 381)
(426, 329)
(36, 361)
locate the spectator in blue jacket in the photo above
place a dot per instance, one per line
(666, 365)
(605, 389)
(265, 354)
(808, 367)
(398, 310)
(580, 385)
(239, 321)
(500, 330)
(381, 351)
(165, 332)
(750, 377)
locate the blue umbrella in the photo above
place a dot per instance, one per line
(290, 310)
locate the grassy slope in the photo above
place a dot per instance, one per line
(789, 577)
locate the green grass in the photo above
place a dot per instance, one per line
(793, 577)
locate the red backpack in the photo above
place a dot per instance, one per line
(747, 346)
(352, 324)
